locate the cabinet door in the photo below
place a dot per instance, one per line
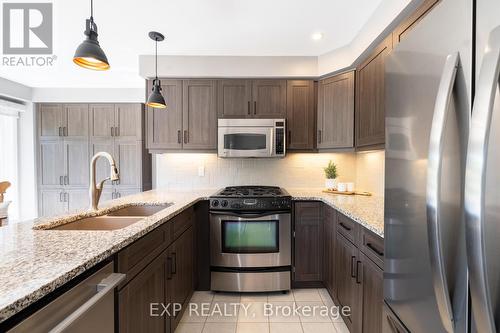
(371, 278)
(199, 114)
(308, 241)
(370, 98)
(329, 222)
(336, 112)
(77, 199)
(52, 203)
(136, 297)
(51, 171)
(182, 259)
(76, 159)
(102, 164)
(407, 25)
(102, 120)
(234, 99)
(165, 125)
(120, 192)
(50, 121)
(269, 98)
(128, 121)
(76, 123)
(300, 114)
(127, 156)
(346, 257)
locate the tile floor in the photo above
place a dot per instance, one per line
(254, 319)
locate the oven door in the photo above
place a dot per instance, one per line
(245, 141)
(258, 240)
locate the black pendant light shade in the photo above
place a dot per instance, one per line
(89, 54)
(155, 99)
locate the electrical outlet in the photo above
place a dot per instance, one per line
(201, 171)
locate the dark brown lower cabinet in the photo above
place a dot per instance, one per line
(308, 250)
(136, 298)
(181, 284)
(329, 222)
(346, 255)
(371, 294)
(390, 323)
(165, 282)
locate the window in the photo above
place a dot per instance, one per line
(9, 155)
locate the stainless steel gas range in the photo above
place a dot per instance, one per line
(250, 239)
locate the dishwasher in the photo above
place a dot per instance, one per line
(87, 307)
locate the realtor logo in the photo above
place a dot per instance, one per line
(27, 28)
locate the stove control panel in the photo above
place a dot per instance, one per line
(281, 203)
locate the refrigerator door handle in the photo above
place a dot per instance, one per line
(434, 166)
(475, 183)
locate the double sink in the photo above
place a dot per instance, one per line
(117, 219)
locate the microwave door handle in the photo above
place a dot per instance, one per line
(475, 183)
(434, 167)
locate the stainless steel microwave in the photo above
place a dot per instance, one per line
(251, 138)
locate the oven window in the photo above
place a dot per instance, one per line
(245, 141)
(250, 236)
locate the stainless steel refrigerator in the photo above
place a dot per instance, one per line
(442, 181)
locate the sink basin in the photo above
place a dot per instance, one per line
(100, 223)
(145, 210)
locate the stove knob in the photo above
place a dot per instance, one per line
(215, 203)
(223, 203)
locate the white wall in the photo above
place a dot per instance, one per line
(179, 171)
(27, 164)
(89, 95)
(228, 66)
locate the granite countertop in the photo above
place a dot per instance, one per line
(35, 262)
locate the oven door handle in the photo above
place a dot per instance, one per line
(249, 214)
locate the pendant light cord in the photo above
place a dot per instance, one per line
(92, 10)
(156, 58)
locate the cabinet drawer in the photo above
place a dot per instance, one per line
(348, 228)
(372, 246)
(182, 222)
(136, 256)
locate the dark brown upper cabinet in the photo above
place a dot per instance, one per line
(336, 112)
(199, 115)
(370, 98)
(300, 114)
(190, 120)
(165, 125)
(269, 98)
(252, 98)
(234, 98)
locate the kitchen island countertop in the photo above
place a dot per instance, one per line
(34, 262)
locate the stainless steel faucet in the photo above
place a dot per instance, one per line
(96, 189)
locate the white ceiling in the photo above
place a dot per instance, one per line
(192, 27)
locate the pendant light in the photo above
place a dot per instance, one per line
(89, 54)
(155, 99)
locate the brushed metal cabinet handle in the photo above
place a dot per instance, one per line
(371, 247)
(353, 260)
(344, 226)
(179, 137)
(60, 180)
(60, 196)
(319, 136)
(66, 180)
(113, 195)
(112, 131)
(106, 286)
(174, 263)
(60, 132)
(289, 136)
(254, 107)
(358, 271)
(248, 108)
(185, 136)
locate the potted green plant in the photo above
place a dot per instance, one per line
(331, 176)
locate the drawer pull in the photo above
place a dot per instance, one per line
(169, 268)
(344, 226)
(174, 263)
(358, 280)
(374, 249)
(353, 260)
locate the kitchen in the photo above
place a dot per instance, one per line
(329, 182)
